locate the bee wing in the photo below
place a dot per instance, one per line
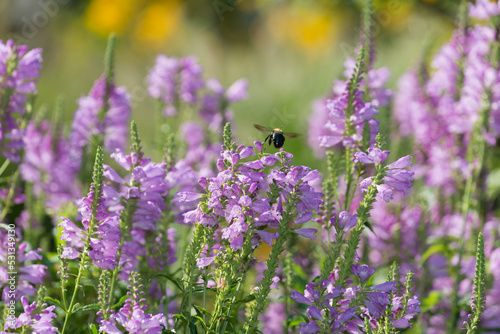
(262, 128)
(291, 134)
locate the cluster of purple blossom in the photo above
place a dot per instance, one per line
(19, 70)
(330, 304)
(236, 196)
(208, 214)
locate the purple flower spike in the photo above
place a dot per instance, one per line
(113, 125)
(173, 78)
(38, 323)
(484, 9)
(19, 72)
(396, 179)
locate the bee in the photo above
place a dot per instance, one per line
(277, 136)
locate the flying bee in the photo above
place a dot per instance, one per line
(277, 136)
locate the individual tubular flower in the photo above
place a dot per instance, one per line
(34, 318)
(19, 71)
(29, 274)
(132, 318)
(172, 80)
(47, 164)
(104, 114)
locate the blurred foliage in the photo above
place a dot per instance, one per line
(290, 51)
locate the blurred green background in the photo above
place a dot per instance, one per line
(290, 51)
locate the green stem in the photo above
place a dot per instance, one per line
(272, 265)
(192, 253)
(69, 311)
(10, 195)
(233, 300)
(461, 249)
(4, 166)
(348, 164)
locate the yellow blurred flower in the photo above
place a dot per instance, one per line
(106, 16)
(310, 29)
(392, 15)
(158, 22)
(262, 252)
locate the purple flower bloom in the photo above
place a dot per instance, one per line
(29, 274)
(205, 261)
(38, 323)
(328, 119)
(332, 306)
(174, 79)
(131, 318)
(144, 188)
(273, 318)
(104, 233)
(238, 91)
(396, 179)
(309, 328)
(19, 71)
(92, 120)
(47, 164)
(346, 221)
(484, 9)
(374, 156)
(307, 232)
(363, 272)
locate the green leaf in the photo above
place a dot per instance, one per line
(432, 250)
(430, 301)
(55, 301)
(93, 329)
(295, 323)
(120, 302)
(247, 299)
(87, 307)
(201, 322)
(303, 316)
(192, 328)
(201, 310)
(200, 290)
(172, 279)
